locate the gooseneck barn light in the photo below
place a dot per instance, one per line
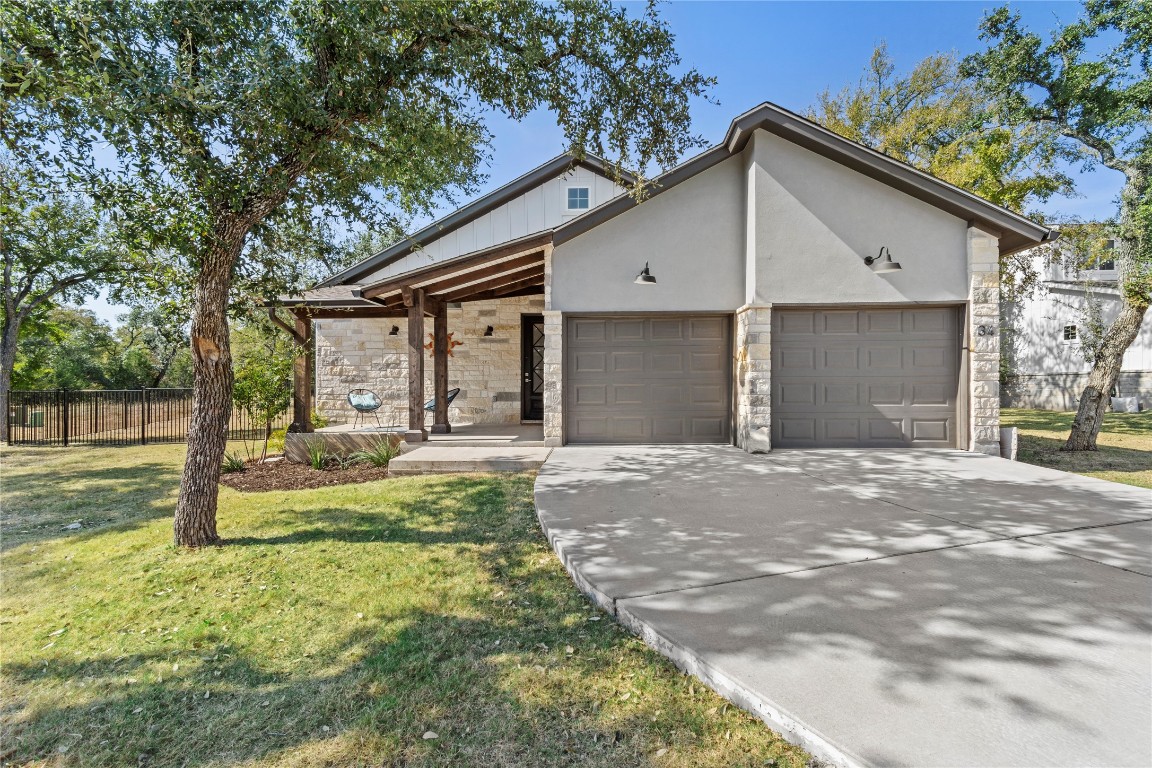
(882, 262)
(645, 277)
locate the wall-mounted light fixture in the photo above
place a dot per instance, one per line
(882, 262)
(645, 277)
(488, 331)
(395, 331)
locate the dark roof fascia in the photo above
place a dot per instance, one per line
(1016, 232)
(462, 216)
(602, 213)
(527, 243)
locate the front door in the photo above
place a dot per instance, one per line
(532, 367)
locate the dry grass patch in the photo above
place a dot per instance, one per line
(1125, 444)
(339, 626)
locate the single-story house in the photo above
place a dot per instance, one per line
(1044, 333)
(785, 288)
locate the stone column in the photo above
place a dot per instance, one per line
(983, 334)
(754, 378)
(553, 378)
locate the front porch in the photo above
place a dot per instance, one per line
(483, 344)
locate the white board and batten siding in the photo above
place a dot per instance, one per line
(539, 209)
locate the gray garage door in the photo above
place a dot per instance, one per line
(865, 377)
(647, 379)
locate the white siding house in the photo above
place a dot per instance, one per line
(1044, 336)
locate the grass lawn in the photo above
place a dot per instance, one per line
(339, 627)
(1125, 444)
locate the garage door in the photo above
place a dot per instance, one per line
(647, 379)
(865, 377)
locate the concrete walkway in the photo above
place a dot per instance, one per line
(918, 608)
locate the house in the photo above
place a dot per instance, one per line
(1044, 334)
(785, 288)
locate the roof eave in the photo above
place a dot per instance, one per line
(462, 216)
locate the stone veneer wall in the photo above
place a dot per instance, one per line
(754, 378)
(357, 353)
(553, 379)
(984, 355)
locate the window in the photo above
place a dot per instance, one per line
(1070, 333)
(578, 198)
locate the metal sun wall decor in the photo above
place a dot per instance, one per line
(432, 341)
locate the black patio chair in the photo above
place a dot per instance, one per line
(364, 401)
(431, 404)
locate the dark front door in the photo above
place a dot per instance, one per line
(532, 368)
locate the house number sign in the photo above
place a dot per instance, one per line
(985, 330)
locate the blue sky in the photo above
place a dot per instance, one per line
(788, 53)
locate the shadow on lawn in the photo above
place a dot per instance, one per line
(459, 676)
(449, 509)
(1061, 421)
(37, 505)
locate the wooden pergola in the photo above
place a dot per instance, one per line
(505, 271)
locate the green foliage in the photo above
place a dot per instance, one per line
(319, 420)
(70, 347)
(1097, 104)
(317, 453)
(381, 452)
(276, 441)
(232, 463)
(936, 119)
(282, 117)
(263, 377)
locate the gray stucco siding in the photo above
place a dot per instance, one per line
(812, 222)
(692, 235)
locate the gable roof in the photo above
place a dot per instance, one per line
(555, 167)
(1015, 231)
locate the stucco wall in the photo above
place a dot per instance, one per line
(815, 220)
(360, 353)
(693, 237)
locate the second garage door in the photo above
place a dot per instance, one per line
(647, 379)
(865, 377)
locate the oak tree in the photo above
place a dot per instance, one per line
(232, 123)
(1091, 85)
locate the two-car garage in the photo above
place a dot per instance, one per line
(840, 377)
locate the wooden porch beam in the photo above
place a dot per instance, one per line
(440, 286)
(456, 265)
(535, 290)
(535, 273)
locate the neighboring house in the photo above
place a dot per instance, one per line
(770, 323)
(1044, 333)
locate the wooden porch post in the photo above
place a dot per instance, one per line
(414, 300)
(303, 375)
(440, 423)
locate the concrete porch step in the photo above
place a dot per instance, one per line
(425, 459)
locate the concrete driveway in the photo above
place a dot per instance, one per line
(918, 608)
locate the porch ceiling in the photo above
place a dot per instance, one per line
(512, 269)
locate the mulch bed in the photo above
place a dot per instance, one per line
(286, 475)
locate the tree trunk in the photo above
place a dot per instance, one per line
(1132, 262)
(195, 523)
(8, 338)
(1105, 371)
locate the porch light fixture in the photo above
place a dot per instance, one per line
(882, 262)
(645, 277)
(395, 331)
(488, 331)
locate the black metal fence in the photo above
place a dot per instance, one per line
(113, 417)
